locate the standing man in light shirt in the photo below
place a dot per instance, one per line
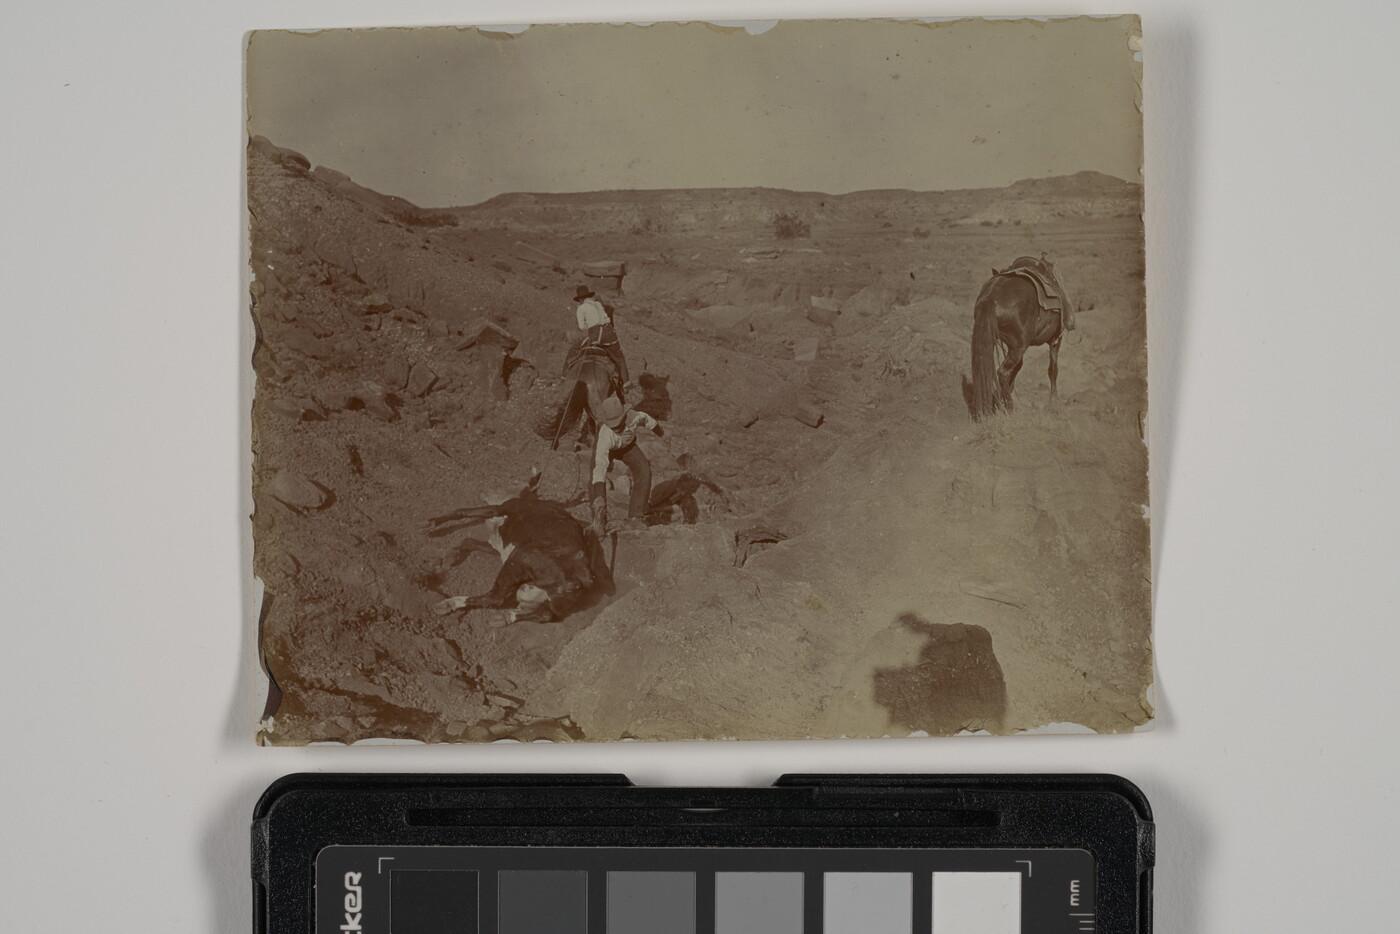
(617, 440)
(597, 326)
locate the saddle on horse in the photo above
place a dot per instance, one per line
(600, 338)
(574, 360)
(1049, 291)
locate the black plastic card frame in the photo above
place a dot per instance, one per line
(595, 854)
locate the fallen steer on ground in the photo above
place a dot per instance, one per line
(552, 565)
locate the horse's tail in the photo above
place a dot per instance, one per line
(565, 415)
(985, 388)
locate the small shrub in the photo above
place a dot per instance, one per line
(922, 234)
(790, 226)
(424, 217)
(646, 227)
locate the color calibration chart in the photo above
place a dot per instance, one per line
(574, 890)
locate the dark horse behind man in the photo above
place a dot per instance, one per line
(1009, 317)
(591, 376)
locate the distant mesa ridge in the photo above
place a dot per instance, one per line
(1085, 194)
(1080, 183)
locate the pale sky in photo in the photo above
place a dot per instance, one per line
(452, 116)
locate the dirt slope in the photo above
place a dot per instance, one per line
(934, 574)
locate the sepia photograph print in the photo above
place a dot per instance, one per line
(693, 381)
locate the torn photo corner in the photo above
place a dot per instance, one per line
(692, 381)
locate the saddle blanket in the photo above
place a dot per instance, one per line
(1048, 290)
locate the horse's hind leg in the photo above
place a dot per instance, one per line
(1054, 365)
(1006, 373)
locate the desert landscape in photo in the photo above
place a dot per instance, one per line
(833, 546)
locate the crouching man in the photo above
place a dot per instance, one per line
(617, 440)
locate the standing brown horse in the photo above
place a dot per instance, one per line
(1008, 317)
(592, 377)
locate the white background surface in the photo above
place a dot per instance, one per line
(129, 693)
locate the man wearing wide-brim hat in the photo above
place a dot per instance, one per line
(617, 440)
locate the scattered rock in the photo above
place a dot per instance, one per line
(380, 408)
(375, 303)
(396, 374)
(405, 287)
(332, 249)
(489, 333)
(297, 492)
(522, 375)
(808, 414)
(338, 400)
(605, 269)
(782, 402)
(406, 596)
(443, 408)
(722, 316)
(752, 539)
(662, 552)
(490, 346)
(370, 397)
(304, 342)
(805, 350)
(607, 274)
(282, 311)
(420, 380)
(265, 281)
(823, 311)
(301, 409)
(450, 370)
(535, 255)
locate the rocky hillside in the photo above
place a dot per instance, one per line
(835, 548)
(1084, 195)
